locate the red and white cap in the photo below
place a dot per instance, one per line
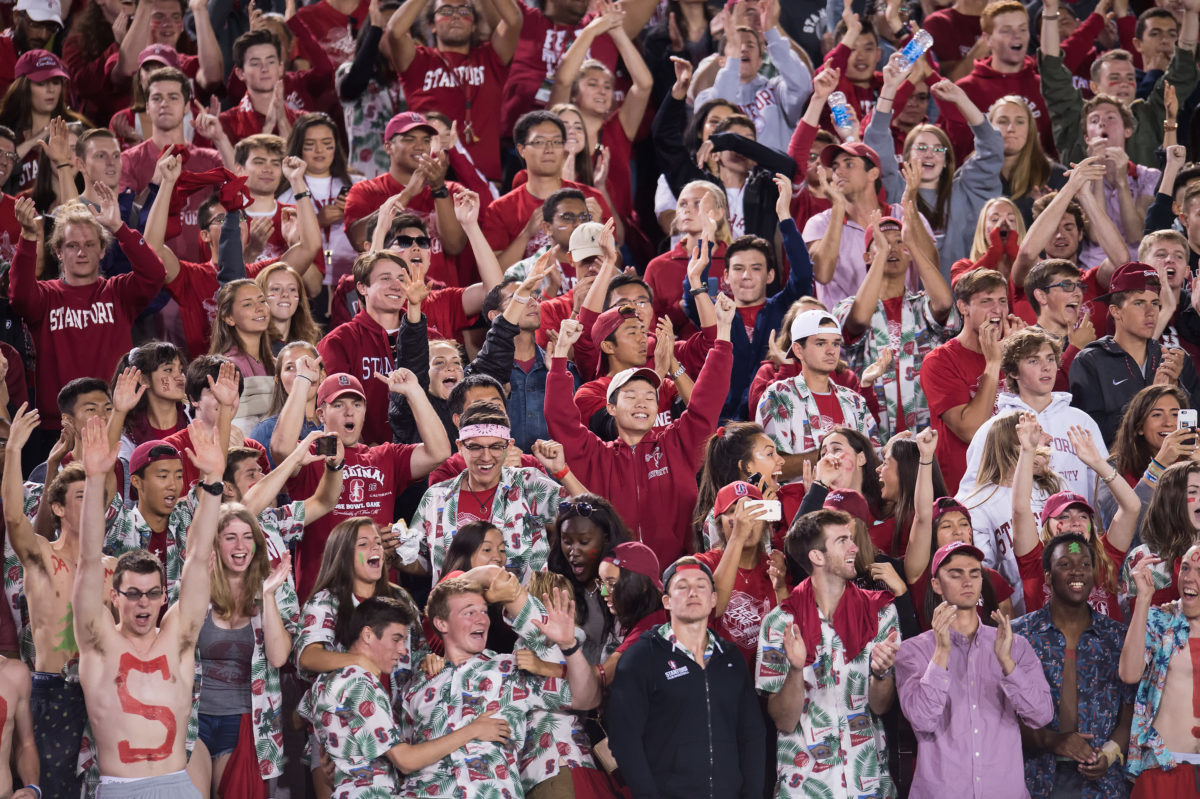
(338, 385)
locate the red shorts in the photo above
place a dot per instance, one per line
(1181, 782)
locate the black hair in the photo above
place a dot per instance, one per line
(755, 243)
(1059, 540)
(634, 597)
(550, 206)
(625, 279)
(200, 370)
(68, 395)
(378, 613)
(495, 296)
(532, 119)
(907, 456)
(463, 546)
(252, 39)
(138, 561)
(600, 512)
(458, 395)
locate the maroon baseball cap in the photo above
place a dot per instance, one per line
(682, 567)
(1133, 276)
(162, 53)
(636, 557)
(607, 323)
(403, 123)
(850, 501)
(887, 223)
(1057, 503)
(850, 148)
(149, 452)
(954, 548)
(731, 493)
(338, 384)
(944, 505)
(40, 65)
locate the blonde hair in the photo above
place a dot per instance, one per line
(224, 604)
(980, 243)
(74, 212)
(302, 326)
(724, 231)
(998, 461)
(1031, 167)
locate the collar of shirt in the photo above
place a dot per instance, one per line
(710, 643)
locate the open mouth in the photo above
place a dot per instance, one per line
(142, 619)
(641, 416)
(375, 561)
(1190, 593)
(479, 636)
(1076, 586)
(240, 558)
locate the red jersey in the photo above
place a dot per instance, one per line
(368, 196)
(954, 33)
(506, 217)
(195, 290)
(372, 479)
(331, 31)
(540, 50)
(752, 598)
(620, 163)
(137, 167)
(81, 331)
(985, 86)
(950, 377)
(242, 120)
(465, 87)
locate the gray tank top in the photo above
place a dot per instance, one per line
(225, 657)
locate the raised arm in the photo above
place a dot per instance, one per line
(1024, 525)
(262, 494)
(92, 619)
(633, 109)
(302, 255)
(399, 33)
(12, 490)
(1133, 653)
(1044, 227)
(867, 297)
(291, 416)
(824, 251)
(572, 60)
(1124, 523)
(167, 169)
(506, 34)
(466, 211)
(435, 444)
(277, 641)
(208, 52)
(207, 454)
(916, 557)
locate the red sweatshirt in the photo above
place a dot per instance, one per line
(360, 347)
(665, 275)
(652, 485)
(690, 352)
(81, 331)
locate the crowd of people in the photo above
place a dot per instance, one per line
(599, 398)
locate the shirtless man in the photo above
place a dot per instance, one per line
(138, 677)
(49, 578)
(1164, 744)
(15, 717)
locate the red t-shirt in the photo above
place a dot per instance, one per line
(195, 290)
(752, 598)
(506, 217)
(539, 52)
(475, 505)
(182, 441)
(954, 33)
(137, 167)
(829, 408)
(950, 377)
(333, 31)
(620, 161)
(368, 196)
(465, 87)
(242, 120)
(749, 313)
(373, 477)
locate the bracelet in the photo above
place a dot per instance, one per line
(1170, 126)
(1152, 479)
(571, 651)
(889, 99)
(924, 463)
(335, 467)
(519, 298)
(216, 488)
(1055, 15)
(559, 475)
(1110, 478)
(306, 377)
(63, 165)
(696, 292)
(38, 790)
(301, 195)
(677, 372)
(883, 675)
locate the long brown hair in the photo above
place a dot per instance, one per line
(225, 336)
(224, 604)
(336, 574)
(584, 171)
(1031, 166)
(1167, 527)
(16, 109)
(1131, 453)
(303, 327)
(945, 183)
(278, 395)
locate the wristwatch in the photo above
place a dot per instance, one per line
(215, 488)
(440, 193)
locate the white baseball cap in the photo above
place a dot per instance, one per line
(42, 10)
(810, 323)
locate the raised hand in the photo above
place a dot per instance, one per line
(27, 217)
(279, 574)
(783, 205)
(1142, 574)
(128, 390)
(109, 214)
(1029, 431)
(600, 175)
(886, 573)
(504, 588)
(551, 455)
(883, 654)
(1004, 639)
(400, 381)
(895, 72)
(559, 626)
(294, 169)
(1084, 332)
(1085, 447)
(21, 426)
(777, 570)
(309, 368)
(664, 346)
(57, 145)
(568, 333)
(878, 368)
(943, 614)
(466, 207)
(793, 646)
(435, 169)
(683, 76)
(824, 84)
(206, 453)
(726, 310)
(225, 387)
(927, 443)
(98, 455)
(828, 468)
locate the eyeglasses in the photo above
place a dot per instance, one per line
(134, 595)
(581, 508)
(545, 144)
(407, 241)
(573, 219)
(466, 12)
(924, 148)
(495, 449)
(632, 304)
(10, 155)
(1066, 285)
(217, 220)
(607, 586)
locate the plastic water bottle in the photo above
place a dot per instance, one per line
(843, 117)
(916, 48)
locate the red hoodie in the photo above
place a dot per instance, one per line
(651, 485)
(665, 275)
(985, 86)
(360, 347)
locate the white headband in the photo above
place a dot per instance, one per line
(477, 430)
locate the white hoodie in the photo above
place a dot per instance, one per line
(1056, 419)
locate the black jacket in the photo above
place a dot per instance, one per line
(1104, 379)
(682, 732)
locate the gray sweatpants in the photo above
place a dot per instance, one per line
(167, 786)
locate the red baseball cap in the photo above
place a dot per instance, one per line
(731, 493)
(1057, 503)
(638, 558)
(607, 323)
(40, 65)
(887, 223)
(944, 505)
(954, 548)
(681, 567)
(1133, 276)
(850, 148)
(162, 53)
(403, 123)
(850, 501)
(149, 452)
(338, 384)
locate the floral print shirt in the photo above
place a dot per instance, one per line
(1166, 634)
(789, 415)
(838, 749)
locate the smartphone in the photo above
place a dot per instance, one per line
(773, 508)
(326, 445)
(1187, 418)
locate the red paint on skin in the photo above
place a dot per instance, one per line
(3, 718)
(59, 564)
(1194, 646)
(159, 713)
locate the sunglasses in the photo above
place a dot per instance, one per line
(583, 509)
(407, 241)
(134, 595)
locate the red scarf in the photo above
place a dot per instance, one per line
(856, 620)
(232, 193)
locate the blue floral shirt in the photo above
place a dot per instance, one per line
(1100, 694)
(1166, 634)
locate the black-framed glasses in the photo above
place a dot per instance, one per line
(569, 219)
(134, 595)
(583, 509)
(466, 12)
(495, 449)
(423, 242)
(1066, 285)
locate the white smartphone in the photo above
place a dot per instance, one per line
(773, 509)
(1187, 417)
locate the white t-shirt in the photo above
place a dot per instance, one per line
(991, 521)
